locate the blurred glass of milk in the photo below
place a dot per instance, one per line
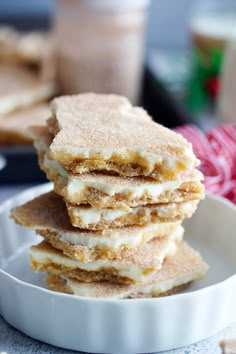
(227, 95)
(211, 25)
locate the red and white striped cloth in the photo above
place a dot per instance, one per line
(217, 151)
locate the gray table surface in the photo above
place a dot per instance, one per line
(14, 342)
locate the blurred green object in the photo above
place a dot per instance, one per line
(191, 76)
(172, 70)
(203, 82)
(210, 26)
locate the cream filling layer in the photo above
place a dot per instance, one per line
(134, 272)
(136, 155)
(116, 240)
(152, 189)
(95, 215)
(78, 185)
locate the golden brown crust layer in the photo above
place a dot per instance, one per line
(191, 190)
(80, 166)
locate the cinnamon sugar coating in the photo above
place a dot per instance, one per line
(95, 132)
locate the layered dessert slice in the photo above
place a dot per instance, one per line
(138, 266)
(177, 272)
(111, 191)
(94, 132)
(47, 214)
(87, 217)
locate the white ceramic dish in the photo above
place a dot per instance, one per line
(122, 326)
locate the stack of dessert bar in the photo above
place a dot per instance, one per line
(122, 186)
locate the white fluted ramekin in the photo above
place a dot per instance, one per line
(122, 326)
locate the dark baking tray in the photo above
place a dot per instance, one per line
(21, 166)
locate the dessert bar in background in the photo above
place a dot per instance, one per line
(27, 82)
